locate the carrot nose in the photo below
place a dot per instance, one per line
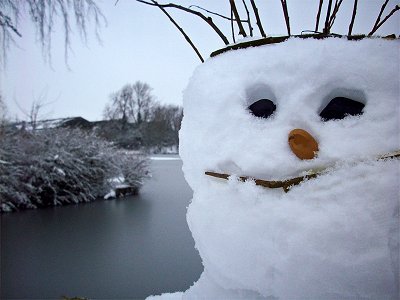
(303, 145)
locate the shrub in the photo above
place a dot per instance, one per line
(61, 166)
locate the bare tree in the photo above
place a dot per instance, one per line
(35, 112)
(120, 105)
(142, 101)
(43, 14)
(162, 130)
(132, 103)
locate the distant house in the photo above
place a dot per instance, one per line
(77, 122)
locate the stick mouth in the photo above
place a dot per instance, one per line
(280, 39)
(272, 184)
(287, 184)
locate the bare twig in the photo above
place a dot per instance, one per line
(286, 14)
(260, 27)
(376, 27)
(352, 18)
(181, 30)
(335, 11)
(318, 15)
(191, 11)
(212, 13)
(248, 17)
(237, 18)
(380, 13)
(5, 21)
(328, 13)
(232, 28)
(35, 113)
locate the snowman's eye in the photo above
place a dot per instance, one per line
(262, 108)
(340, 107)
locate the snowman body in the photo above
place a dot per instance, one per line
(333, 236)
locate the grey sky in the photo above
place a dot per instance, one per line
(140, 43)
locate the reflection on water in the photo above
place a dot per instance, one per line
(114, 249)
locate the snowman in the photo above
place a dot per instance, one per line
(291, 149)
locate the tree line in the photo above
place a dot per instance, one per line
(136, 120)
(133, 119)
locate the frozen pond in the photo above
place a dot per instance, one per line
(114, 249)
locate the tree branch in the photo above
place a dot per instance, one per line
(380, 13)
(211, 12)
(318, 15)
(6, 21)
(352, 18)
(181, 30)
(191, 11)
(237, 18)
(232, 28)
(255, 9)
(286, 14)
(396, 8)
(335, 11)
(248, 17)
(328, 13)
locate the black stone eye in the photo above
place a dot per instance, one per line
(262, 108)
(340, 107)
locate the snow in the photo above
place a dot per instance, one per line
(165, 157)
(332, 237)
(110, 195)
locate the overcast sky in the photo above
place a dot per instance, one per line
(140, 43)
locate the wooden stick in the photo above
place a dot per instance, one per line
(288, 183)
(237, 18)
(286, 14)
(352, 18)
(380, 13)
(397, 7)
(232, 28)
(260, 27)
(332, 19)
(191, 11)
(212, 13)
(318, 15)
(328, 13)
(285, 184)
(248, 17)
(181, 30)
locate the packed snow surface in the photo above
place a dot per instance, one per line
(332, 237)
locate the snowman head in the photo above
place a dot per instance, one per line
(275, 112)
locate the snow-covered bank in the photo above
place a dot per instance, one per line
(60, 166)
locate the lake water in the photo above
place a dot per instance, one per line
(119, 249)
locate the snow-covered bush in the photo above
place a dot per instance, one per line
(61, 166)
